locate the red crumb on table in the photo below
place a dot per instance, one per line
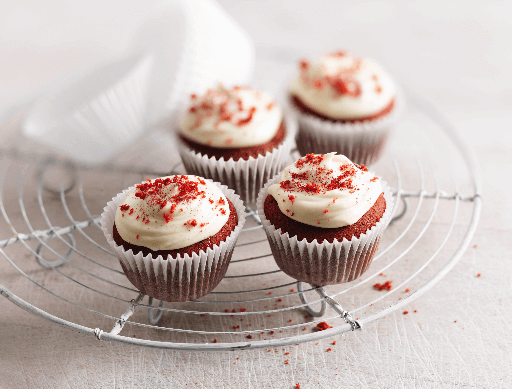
(382, 274)
(286, 353)
(287, 362)
(297, 386)
(249, 336)
(292, 290)
(323, 326)
(243, 309)
(386, 285)
(329, 349)
(475, 246)
(214, 340)
(415, 310)
(407, 290)
(406, 312)
(334, 343)
(202, 314)
(479, 274)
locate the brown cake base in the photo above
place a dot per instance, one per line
(305, 231)
(240, 152)
(323, 265)
(305, 109)
(191, 286)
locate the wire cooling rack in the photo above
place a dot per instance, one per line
(52, 240)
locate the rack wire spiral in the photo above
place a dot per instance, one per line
(256, 305)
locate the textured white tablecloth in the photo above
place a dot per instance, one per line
(455, 54)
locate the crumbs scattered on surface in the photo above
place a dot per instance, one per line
(386, 285)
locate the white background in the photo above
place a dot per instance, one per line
(456, 54)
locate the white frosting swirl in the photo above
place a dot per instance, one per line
(172, 212)
(342, 86)
(327, 191)
(239, 117)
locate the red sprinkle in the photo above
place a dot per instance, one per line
(385, 285)
(304, 64)
(124, 207)
(329, 349)
(323, 326)
(407, 290)
(192, 222)
(406, 312)
(241, 122)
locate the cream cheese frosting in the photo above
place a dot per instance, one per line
(231, 118)
(327, 191)
(343, 86)
(172, 212)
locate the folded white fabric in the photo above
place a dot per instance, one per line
(184, 47)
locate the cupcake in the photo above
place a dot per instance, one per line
(324, 217)
(174, 236)
(236, 136)
(344, 104)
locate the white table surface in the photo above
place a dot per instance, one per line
(453, 53)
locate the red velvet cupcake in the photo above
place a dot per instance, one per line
(344, 104)
(324, 217)
(174, 236)
(236, 136)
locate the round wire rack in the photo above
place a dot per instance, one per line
(62, 270)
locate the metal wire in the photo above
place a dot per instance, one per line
(154, 313)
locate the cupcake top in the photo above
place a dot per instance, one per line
(327, 191)
(343, 86)
(172, 212)
(231, 118)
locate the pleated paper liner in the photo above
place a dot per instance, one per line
(245, 177)
(361, 142)
(324, 263)
(91, 117)
(185, 278)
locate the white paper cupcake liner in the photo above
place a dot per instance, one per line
(245, 177)
(91, 116)
(324, 263)
(196, 44)
(361, 142)
(184, 278)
